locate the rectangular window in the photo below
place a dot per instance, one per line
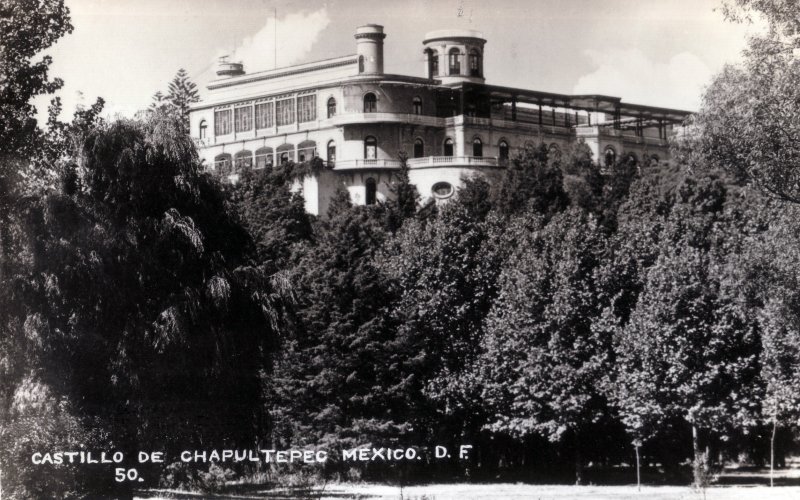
(284, 112)
(243, 118)
(455, 64)
(223, 122)
(264, 115)
(306, 108)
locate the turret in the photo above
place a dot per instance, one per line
(369, 47)
(227, 69)
(454, 56)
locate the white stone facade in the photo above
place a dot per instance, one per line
(449, 122)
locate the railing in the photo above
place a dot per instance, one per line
(427, 161)
(468, 120)
(370, 163)
(426, 120)
(227, 167)
(444, 161)
(627, 135)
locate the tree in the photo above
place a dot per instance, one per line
(768, 266)
(687, 348)
(403, 204)
(541, 361)
(27, 27)
(748, 123)
(781, 14)
(532, 179)
(443, 273)
(582, 181)
(274, 217)
(159, 101)
(135, 298)
(343, 376)
(181, 94)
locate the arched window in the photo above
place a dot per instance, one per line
(454, 62)
(417, 104)
(609, 157)
(370, 148)
(264, 158)
(306, 150)
(503, 148)
(372, 191)
(203, 129)
(477, 147)
(433, 63)
(370, 103)
(222, 163)
(474, 63)
(285, 153)
(331, 153)
(331, 107)
(448, 147)
(243, 159)
(360, 64)
(654, 159)
(419, 148)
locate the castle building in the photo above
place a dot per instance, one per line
(449, 122)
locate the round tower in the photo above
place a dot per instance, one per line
(369, 47)
(454, 56)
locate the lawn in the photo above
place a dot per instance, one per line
(510, 492)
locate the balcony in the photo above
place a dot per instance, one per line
(371, 163)
(454, 161)
(405, 118)
(629, 136)
(424, 162)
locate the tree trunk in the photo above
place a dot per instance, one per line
(698, 467)
(772, 453)
(578, 464)
(638, 474)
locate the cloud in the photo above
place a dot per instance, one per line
(630, 74)
(296, 34)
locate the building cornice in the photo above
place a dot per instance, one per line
(283, 72)
(381, 79)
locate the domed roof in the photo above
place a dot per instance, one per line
(451, 34)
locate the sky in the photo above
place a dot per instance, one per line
(661, 53)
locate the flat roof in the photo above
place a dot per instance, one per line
(583, 102)
(284, 71)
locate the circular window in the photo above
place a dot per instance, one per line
(442, 190)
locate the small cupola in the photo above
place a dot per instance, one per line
(228, 69)
(454, 56)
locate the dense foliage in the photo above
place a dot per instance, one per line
(556, 318)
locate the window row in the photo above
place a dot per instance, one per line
(447, 148)
(263, 115)
(610, 158)
(306, 111)
(454, 58)
(265, 157)
(371, 104)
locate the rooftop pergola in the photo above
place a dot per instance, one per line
(591, 103)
